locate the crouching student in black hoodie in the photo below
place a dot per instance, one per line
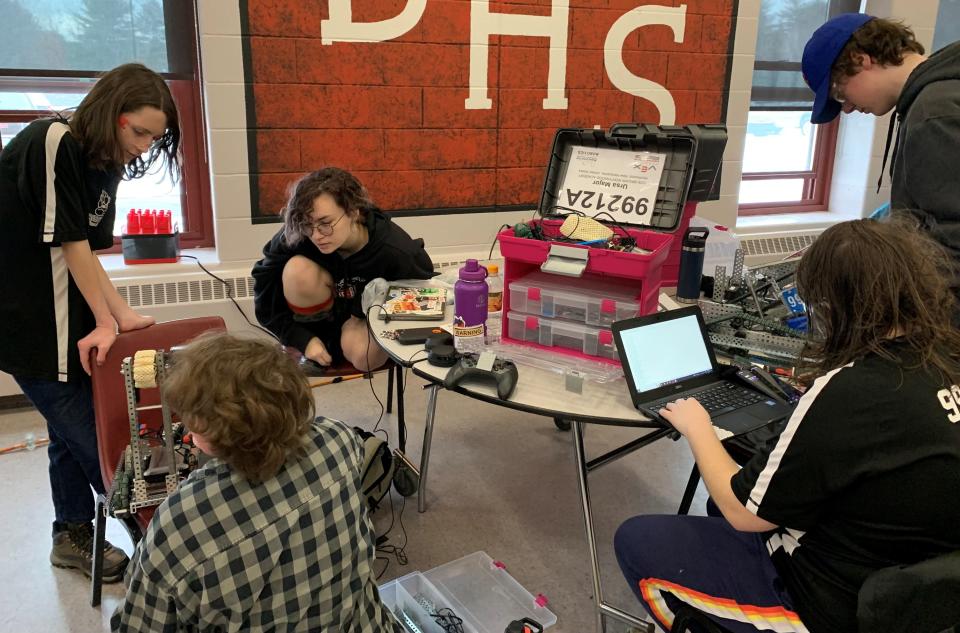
(307, 287)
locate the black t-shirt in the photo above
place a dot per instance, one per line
(48, 195)
(864, 476)
(389, 253)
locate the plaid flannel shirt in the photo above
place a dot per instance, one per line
(293, 553)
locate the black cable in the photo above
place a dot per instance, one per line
(383, 409)
(412, 362)
(447, 620)
(628, 242)
(494, 243)
(616, 223)
(399, 552)
(229, 290)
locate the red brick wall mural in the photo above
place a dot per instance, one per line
(453, 104)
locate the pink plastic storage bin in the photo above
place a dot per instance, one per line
(566, 337)
(638, 272)
(591, 301)
(692, 158)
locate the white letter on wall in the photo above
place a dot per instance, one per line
(340, 27)
(626, 81)
(483, 24)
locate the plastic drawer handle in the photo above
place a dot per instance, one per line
(532, 323)
(533, 294)
(605, 337)
(608, 306)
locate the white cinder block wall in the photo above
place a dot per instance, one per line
(454, 236)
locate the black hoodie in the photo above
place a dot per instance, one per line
(390, 253)
(926, 157)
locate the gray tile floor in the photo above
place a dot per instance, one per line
(500, 481)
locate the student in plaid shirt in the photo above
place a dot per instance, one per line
(272, 534)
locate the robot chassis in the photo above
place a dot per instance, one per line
(750, 319)
(137, 482)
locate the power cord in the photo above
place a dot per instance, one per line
(494, 243)
(229, 291)
(399, 552)
(370, 335)
(413, 362)
(449, 621)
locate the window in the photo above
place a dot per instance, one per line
(787, 161)
(50, 60)
(947, 30)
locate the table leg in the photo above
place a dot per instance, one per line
(390, 389)
(401, 420)
(602, 609)
(425, 452)
(690, 490)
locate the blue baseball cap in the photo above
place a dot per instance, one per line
(821, 51)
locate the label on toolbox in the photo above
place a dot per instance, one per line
(623, 184)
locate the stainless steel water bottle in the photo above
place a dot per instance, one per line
(691, 263)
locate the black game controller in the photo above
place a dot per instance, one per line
(504, 372)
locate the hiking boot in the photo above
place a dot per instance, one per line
(73, 549)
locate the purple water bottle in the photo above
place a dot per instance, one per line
(470, 307)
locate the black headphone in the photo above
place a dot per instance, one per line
(440, 350)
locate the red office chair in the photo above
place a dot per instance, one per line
(112, 418)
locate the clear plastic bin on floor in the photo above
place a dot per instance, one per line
(474, 588)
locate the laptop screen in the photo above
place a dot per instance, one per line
(665, 352)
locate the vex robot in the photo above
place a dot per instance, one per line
(156, 460)
(756, 312)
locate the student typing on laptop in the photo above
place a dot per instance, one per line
(667, 356)
(864, 476)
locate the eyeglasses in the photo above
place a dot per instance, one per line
(836, 93)
(325, 228)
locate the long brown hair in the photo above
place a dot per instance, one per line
(343, 186)
(125, 89)
(246, 397)
(866, 281)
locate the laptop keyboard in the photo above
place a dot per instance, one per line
(718, 399)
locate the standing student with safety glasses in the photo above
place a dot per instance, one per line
(859, 63)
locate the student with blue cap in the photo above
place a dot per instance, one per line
(857, 62)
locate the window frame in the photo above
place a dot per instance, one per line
(186, 90)
(816, 180)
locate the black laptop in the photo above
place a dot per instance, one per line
(667, 356)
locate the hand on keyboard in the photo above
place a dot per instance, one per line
(687, 416)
